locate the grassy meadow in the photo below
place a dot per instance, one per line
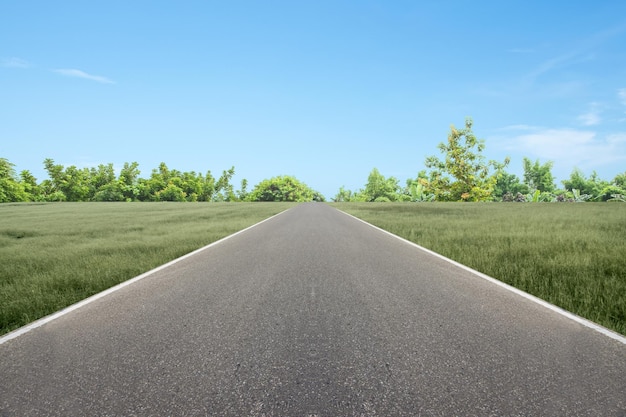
(53, 255)
(571, 255)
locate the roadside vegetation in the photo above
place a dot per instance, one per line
(571, 255)
(462, 173)
(54, 255)
(102, 184)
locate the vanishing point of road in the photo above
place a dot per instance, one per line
(312, 313)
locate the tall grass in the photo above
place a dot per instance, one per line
(53, 255)
(571, 255)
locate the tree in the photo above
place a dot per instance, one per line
(463, 174)
(620, 180)
(509, 185)
(283, 188)
(242, 194)
(10, 188)
(591, 186)
(68, 184)
(538, 176)
(343, 195)
(32, 189)
(417, 192)
(379, 188)
(171, 192)
(224, 190)
(109, 192)
(129, 180)
(150, 188)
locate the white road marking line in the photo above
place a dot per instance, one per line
(47, 319)
(559, 310)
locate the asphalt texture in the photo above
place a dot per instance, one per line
(312, 313)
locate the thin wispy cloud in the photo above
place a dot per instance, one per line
(583, 52)
(617, 139)
(81, 74)
(521, 50)
(592, 116)
(621, 93)
(554, 63)
(14, 62)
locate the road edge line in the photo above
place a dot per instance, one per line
(47, 319)
(581, 320)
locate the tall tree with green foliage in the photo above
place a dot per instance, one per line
(224, 190)
(538, 176)
(463, 174)
(32, 189)
(128, 181)
(379, 188)
(11, 189)
(242, 194)
(68, 184)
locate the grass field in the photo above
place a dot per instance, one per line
(571, 255)
(53, 255)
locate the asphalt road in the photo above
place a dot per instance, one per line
(312, 313)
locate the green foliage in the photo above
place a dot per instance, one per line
(31, 188)
(538, 176)
(283, 188)
(417, 191)
(171, 192)
(10, 188)
(109, 192)
(343, 195)
(578, 197)
(74, 183)
(463, 174)
(592, 186)
(101, 184)
(242, 194)
(609, 191)
(510, 185)
(379, 188)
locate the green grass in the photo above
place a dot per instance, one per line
(54, 255)
(571, 255)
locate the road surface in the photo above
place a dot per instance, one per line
(312, 313)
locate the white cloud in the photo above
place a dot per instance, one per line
(621, 93)
(570, 147)
(14, 62)
(617, 138)
(80, 74)
(591, 117)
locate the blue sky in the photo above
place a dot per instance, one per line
(322, 90)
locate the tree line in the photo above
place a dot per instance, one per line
(463, 174)
(164, 184)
